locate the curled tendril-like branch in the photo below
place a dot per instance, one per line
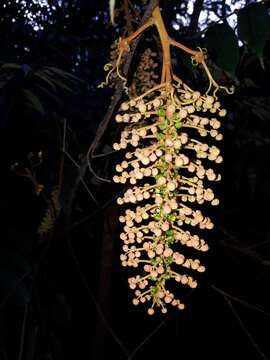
(111, 68)
(213, 83)
(199, 58)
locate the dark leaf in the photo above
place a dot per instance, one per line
(186, 61)
(61, 84)
(222, 43)
(49, 94)
(254, 27)
(45, 79)
(63, 73)
(34, 101)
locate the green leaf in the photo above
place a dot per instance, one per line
(61, 84)
(45, 79)
(221, 41)
(254, 27)
(34, 100)
(53, 77)
(52, 70)
(49, 94)
(11, 66)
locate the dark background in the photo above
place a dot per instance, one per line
(64, 293)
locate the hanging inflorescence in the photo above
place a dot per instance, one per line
(170, 139)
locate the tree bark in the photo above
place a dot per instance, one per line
(193, 25)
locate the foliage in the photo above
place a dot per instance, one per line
(254, 27)
(35, 87)
(226, 52)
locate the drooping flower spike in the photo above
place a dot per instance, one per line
(170, 139)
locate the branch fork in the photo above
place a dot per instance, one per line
(156, 20)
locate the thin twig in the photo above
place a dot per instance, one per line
(244, 328)
(97, 212)
(262, 243)
(89, 192)
(149, 337)
(81, 179)
(104, 154)
(23, 332)
(71, 159)
(246, 250)
(243, 302)
(232, 237)
(89, 164)
(64, 135)
(249, 247)
(76, 165)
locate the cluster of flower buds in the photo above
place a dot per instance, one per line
(114, 53)
(146, 77)
(170, 141)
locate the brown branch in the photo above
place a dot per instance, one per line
(240, 301)
(193, 25)
(223, 8)
(245, 329)
(157, 20)
(246, 250)
(156, 329)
